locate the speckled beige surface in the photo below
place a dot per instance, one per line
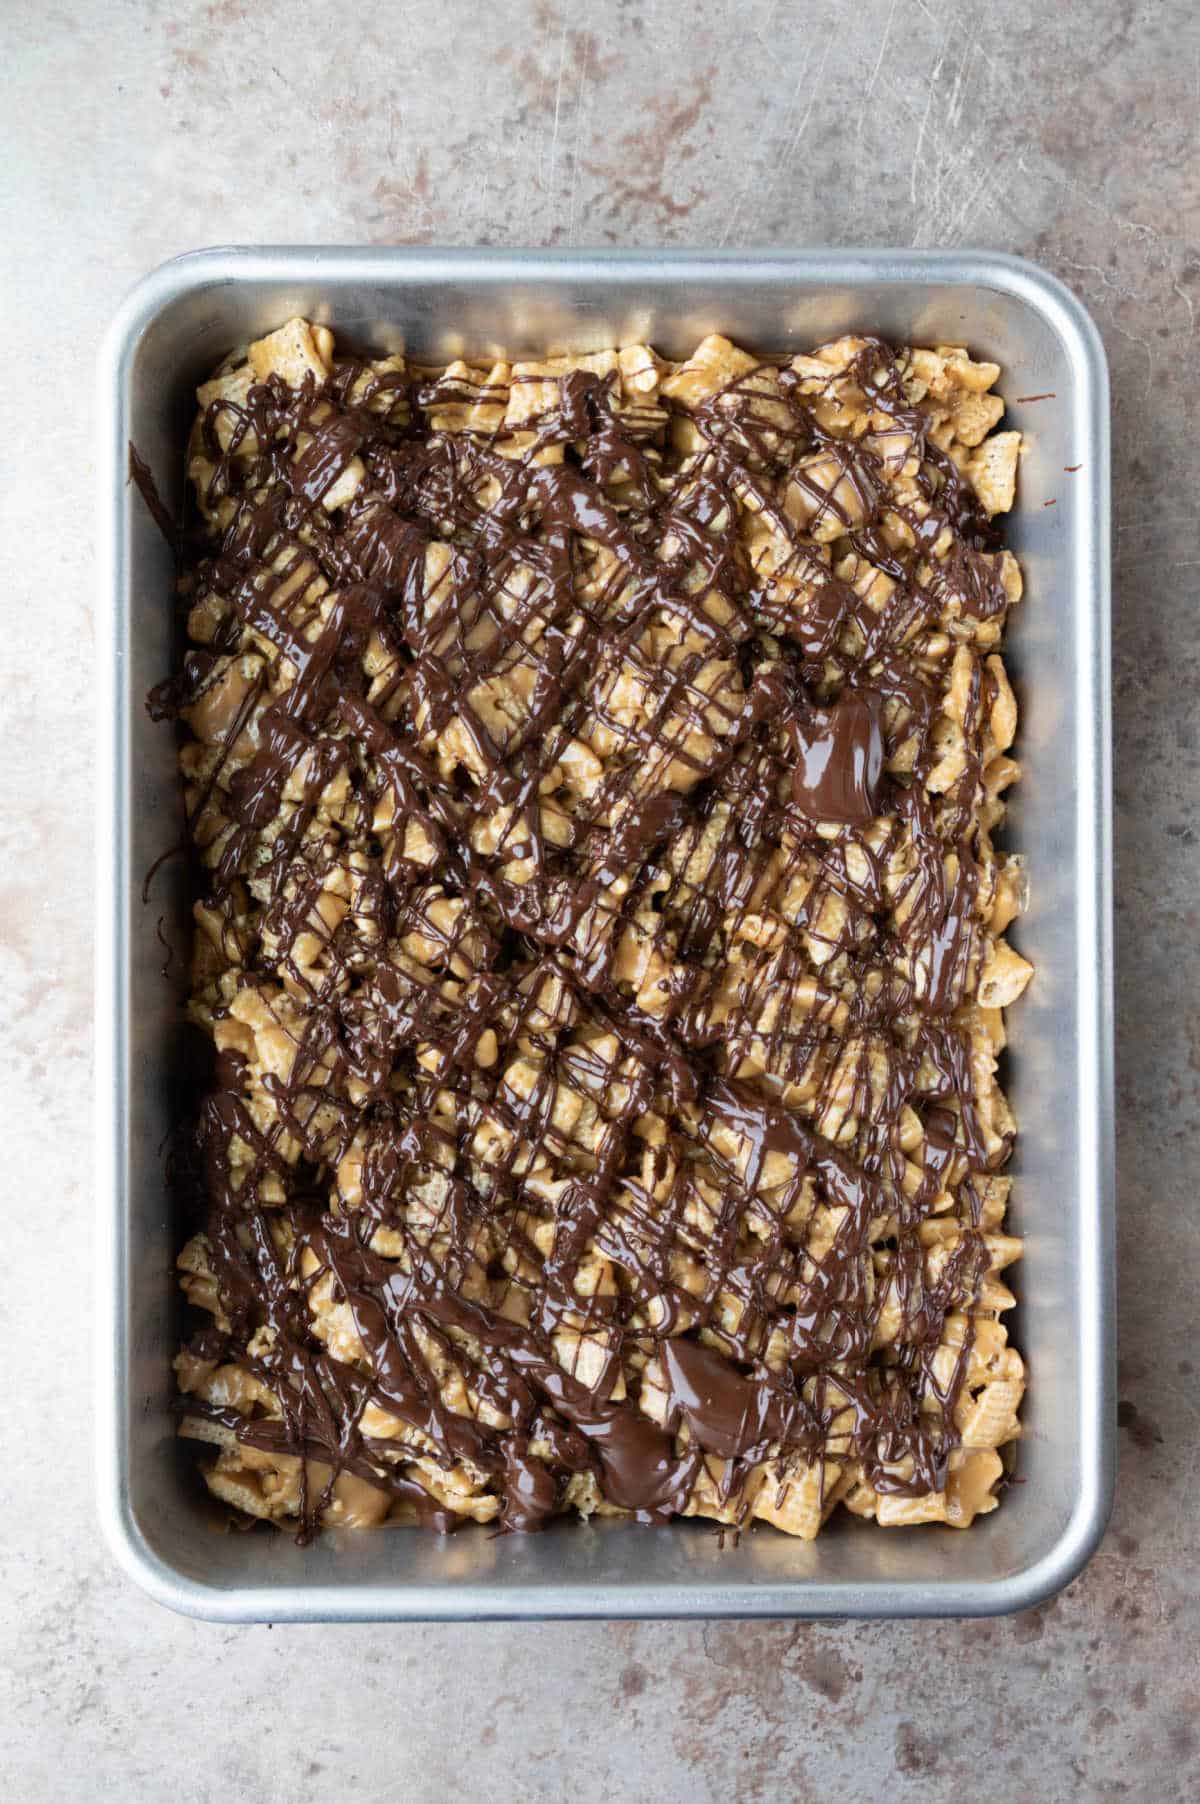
(1070, 132)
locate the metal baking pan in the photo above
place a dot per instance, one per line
(435, 304)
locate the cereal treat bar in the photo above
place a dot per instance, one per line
(591, 767)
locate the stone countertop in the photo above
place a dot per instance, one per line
(1069, 133)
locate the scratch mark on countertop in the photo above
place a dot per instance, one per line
(869, 91)
(793, 136)
(577, 137)
(914, 190)
(558, 89)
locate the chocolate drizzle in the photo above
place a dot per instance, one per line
(493, 949)
(839, 760)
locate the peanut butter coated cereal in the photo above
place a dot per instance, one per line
(592, 766)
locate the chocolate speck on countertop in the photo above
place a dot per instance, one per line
(1142, 1432)
(1064, 133)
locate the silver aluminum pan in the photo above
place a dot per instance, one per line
(436, 303)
